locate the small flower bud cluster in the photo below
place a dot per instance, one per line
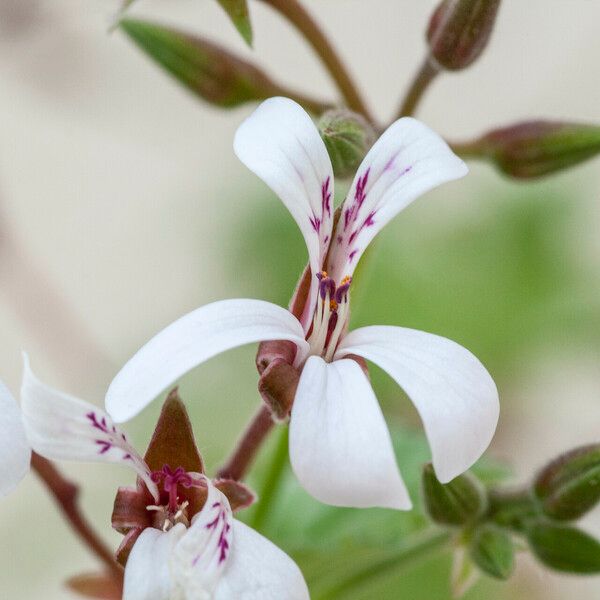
(487, 519)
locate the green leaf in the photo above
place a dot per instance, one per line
(208, 70)
(455, 503)
(492, 550)
(569, 486)
(239, 15)
(565, 548)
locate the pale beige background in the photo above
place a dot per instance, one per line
(115, 185)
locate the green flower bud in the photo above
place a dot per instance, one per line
(348, 137)
(460, 501)
(238, 13)
(536, 148)
(459, 31)
(492, 550)
(208, 70)
(570, 485)
(564, 548)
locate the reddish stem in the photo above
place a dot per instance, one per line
(65, 494)
(248, 446)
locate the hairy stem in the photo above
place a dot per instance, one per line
(421, 548)
(425, 75)
(248, 445)
(65, 494)
(297, 15)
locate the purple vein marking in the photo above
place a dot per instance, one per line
(223, 542)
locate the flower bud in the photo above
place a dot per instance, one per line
(208, 70)
(238, 13)
(536, 148)
(570, 485)
(459, 31)
(455, 503)
(564, 548)
(492, 550)
(348, 137)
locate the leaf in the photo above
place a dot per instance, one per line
(565, 548)
(208, 70)
(240, 17)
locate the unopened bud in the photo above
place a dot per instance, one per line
(277, 387)
(348, 137)
(238, 13)
(536, 148)
(455, 503)
(564, 548)
(570, 485)
(208, 70)
(459, 31)
(492, 550)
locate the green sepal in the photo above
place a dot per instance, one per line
(492, 550)
(240, 17)
(564, 548)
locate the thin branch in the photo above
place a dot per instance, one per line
(298, 16)
(65, 494)
(423, 78)
(248, 446)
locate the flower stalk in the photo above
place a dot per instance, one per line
(301, 19)
(65, 494)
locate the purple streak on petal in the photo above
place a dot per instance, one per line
(326, 197)
(352, 255)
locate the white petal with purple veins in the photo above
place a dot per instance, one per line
(340, 446)
(259, 570)
(15, 454)
(62, 427)
(192, 340)
(454, 394)
(147, 575)
(408, 160)
(200, 557)
(280, 143)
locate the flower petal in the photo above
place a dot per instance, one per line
(454, 394)
(408, 160)
(280, 143)
(14, 449)
(147, 575)
(259, 570)
(198, 560)
(340, 446)
(192, 340)
(62, 427)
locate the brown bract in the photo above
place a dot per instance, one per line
(172, 445)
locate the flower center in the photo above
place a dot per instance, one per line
(174, 510)
(331, 315)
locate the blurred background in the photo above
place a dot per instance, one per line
(122, 206)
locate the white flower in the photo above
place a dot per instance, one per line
(215, 558)
(340, 447)
(14, 449)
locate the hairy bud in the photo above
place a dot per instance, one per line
(536, 148)
(455, 503)
(459, 31)
(348, 137)
(569, 486)
(208, 70)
